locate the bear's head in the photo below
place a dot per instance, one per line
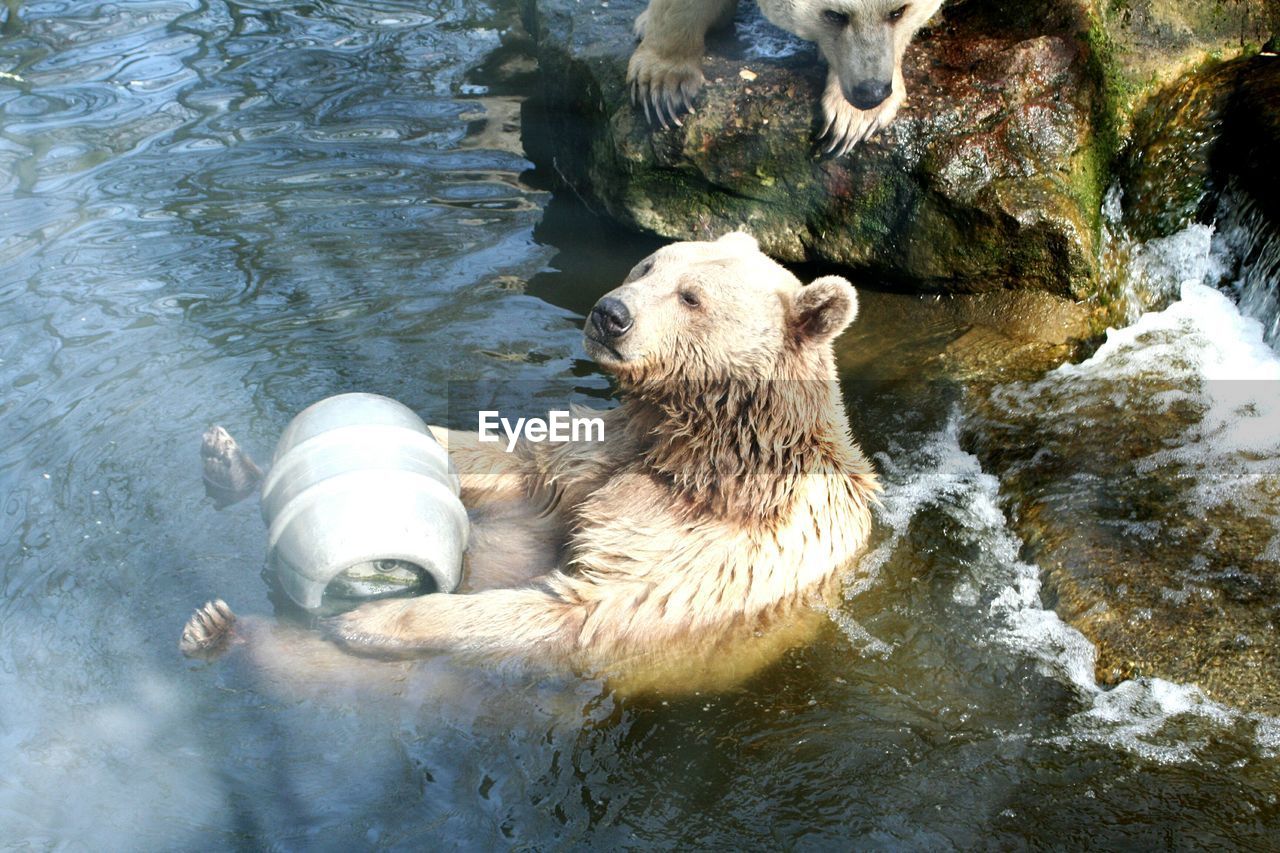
(720, 310)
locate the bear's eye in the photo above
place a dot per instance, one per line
(836, 19)
(689, 299)
(896, 14)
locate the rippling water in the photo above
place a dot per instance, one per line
(221, 212)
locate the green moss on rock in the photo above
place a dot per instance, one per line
(983, 182)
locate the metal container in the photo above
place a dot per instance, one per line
(360, 490)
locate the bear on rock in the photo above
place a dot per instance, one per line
(862, 42)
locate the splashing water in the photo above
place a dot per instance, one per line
(1245, 235)
(1149, 274)
(224, 211)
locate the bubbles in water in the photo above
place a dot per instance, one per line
(939, 473)
(1184, 401)
(762, 39)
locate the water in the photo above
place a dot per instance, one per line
(1244, 235)
(221, 212)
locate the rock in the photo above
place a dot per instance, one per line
(992, 176)
(961, 339)
(1148, 497)
(1214, 125)
(1148, 44)
(1251, 135)
(988, 179)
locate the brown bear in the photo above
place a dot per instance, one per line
(726, 489)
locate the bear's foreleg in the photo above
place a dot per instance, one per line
(489, 475)
(665, 72)
(846, 125)
(534, 622)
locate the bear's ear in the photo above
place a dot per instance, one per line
(740, 240)
(823, 308)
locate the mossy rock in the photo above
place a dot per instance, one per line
(1149, 44)
(1213, 126)
(1166, 560)
(985, 181)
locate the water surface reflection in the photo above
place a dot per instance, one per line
(221, 212)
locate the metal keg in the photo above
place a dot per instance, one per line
(361, 497)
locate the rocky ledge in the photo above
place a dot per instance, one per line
(1019, 117)
(989, 177)
(1214, 127)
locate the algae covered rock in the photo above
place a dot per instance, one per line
(1147, 488)
(1214, 125)
(991, 177)
(1148, 44)
(987, 179)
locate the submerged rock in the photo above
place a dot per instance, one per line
(1145, 482)
(987, 179)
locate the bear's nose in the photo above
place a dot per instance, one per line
(868, 93)
(611, 318)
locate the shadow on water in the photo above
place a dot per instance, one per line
(221, 212)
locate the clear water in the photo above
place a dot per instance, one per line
(221, 212)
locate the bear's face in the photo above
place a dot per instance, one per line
(716, 310)
(861, 40)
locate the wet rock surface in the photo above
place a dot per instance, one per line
(1213, 125)
(1147, 493)
(1251, 136)
(953, 340)
(986, 180)
(1149, 44)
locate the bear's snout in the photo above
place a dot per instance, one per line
(868, 93)
(611, 318)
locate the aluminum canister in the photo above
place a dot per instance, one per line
(357, 480)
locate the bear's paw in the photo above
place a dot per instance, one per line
(209, 630)
(664, 85)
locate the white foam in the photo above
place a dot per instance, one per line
(863, 640)
(1202, 336)
(1204, 353)
(1201, 354)
(1150, 273)
(1143, 716)
(1244, 234)
(939, 472)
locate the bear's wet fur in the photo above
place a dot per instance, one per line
(727, 491)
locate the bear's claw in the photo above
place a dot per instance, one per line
(229, 474)
(665, 87)
(844, 125)
(209, 630)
